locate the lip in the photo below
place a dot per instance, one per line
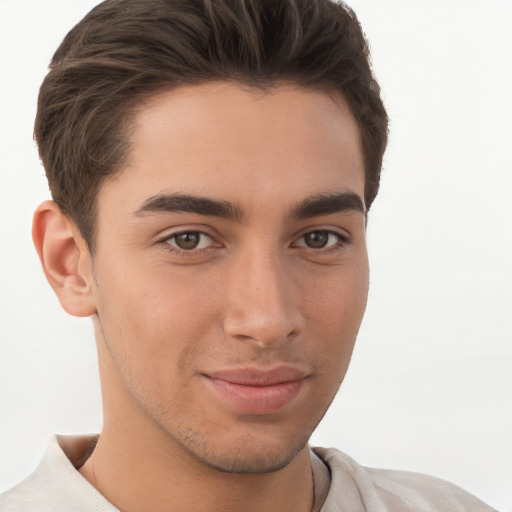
(256, 391)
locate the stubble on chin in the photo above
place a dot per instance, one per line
(240, 456)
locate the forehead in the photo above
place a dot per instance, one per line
(223, 140)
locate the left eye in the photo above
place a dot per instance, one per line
(319, 239)
(190, 240)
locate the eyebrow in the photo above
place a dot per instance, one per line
(169, 203)
(328, 204)
(314, 206)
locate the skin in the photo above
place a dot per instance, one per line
(259, 292)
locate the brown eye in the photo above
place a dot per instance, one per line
(321, 239)
(190, 240)
(317, 239)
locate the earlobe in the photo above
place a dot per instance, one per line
(65, 259)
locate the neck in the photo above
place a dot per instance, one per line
(138, 474)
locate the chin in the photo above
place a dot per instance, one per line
(245, 462)
(246, 454)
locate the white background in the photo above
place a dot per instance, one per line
(429, 388)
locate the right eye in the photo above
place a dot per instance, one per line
(189, 241)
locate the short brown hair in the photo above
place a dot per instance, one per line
(125, 51)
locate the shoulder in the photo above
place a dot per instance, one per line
(30, 493)
(391, 491)
(24, 497)
(55, 485)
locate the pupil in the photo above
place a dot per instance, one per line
(317, 239)
(187, 240)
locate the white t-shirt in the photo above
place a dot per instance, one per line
(56, 486)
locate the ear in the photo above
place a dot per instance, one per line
(65, 258)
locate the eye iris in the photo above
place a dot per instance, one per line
(187, 241)
(316, 239)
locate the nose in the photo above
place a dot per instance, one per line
(263, 303)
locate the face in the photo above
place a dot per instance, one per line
(230, 271)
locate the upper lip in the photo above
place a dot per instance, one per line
(252, 376)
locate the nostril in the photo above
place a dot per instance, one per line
(263, 335)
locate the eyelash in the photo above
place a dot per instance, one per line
(183, 252)
(342, 241)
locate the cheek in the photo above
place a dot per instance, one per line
(337, 300)
(335, 308)
(151, 316)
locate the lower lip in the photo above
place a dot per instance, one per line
(256, 399)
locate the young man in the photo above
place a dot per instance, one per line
(212, 165)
